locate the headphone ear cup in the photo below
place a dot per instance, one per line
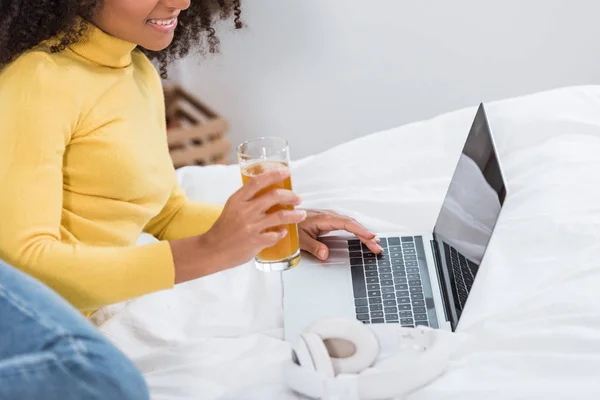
(313, 354)
(365, 343)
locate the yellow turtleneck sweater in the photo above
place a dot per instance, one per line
(85, 168)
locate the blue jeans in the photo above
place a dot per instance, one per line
(49, 351)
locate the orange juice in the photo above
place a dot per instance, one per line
(289, 245)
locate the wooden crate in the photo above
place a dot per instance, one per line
(196, 134)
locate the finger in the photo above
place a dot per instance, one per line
(372, 244)
(271, 238)
(276, 196)
(263, 181)
(314, 247)
(283, 217)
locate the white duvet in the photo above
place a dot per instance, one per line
(533, 318)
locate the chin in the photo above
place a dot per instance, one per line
(157, 45)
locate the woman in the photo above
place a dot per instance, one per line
(84, 162)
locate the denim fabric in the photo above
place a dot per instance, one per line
(49, 351)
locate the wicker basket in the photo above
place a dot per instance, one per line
(195, 133)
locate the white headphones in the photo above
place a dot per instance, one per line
(343, 359)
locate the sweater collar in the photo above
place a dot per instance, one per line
(102, 48)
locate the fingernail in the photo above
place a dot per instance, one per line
(380, 248)
(321, 254)
(301, 213)
(298, 200)
(283, 232)
(377, 239)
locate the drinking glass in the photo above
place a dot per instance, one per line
(256, 156)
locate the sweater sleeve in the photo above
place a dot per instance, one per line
(182, 217)
(38, 116)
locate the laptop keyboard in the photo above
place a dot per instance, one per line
(464, 272)
(388, 287)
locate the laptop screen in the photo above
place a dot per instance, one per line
(470, 210)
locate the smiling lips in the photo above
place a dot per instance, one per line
(164, 24)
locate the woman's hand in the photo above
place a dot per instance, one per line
(241, 231)
(320, 222)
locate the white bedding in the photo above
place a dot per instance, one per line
(533, 318)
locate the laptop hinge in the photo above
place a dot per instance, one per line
(441, 282)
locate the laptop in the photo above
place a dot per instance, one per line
(420, 279)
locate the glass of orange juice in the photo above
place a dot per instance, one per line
(256, 156)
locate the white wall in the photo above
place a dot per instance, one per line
(321, 72)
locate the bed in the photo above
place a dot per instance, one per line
(533, 318)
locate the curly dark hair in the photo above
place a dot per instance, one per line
(25, 24)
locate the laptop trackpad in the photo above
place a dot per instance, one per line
(315, 290)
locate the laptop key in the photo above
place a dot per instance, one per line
(388, 296)
(385, 270)
(416, 289)
(420, 303)
(355, 254)
(406, 239)
(374, 293)
(412, 282)
(387, 282)
(390, 310)
(420, 317)
(363, 317)
(413, 276)
(362, 310)
(358, 281)
(368, 255)
(410, 257)
(406, 321)
(383, 242)
(408, 244)
(400, 281)
(402, 286)
(394, 248)
(386, 276)
(373, 286)
(383, 263)
(375, 300)
(376, 307)
(360, 302)
(412, 270)
(354, 242)
(397, 262)
(405, 314)
(409, 251)
(400, 275)
(377, 321)
(356, 261)
(404, 307)
(370, 261)
(403, 300)
(393, 241)
(387, 289)
(391, 317)
(402, 293)
(371, 273)
(423, 323)
(376, 314)
(417, 296)
(370, 267)
(373, 280)
(411, 263)
(389, 303)
(420, 310)
(354, 247)
(395, 255)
